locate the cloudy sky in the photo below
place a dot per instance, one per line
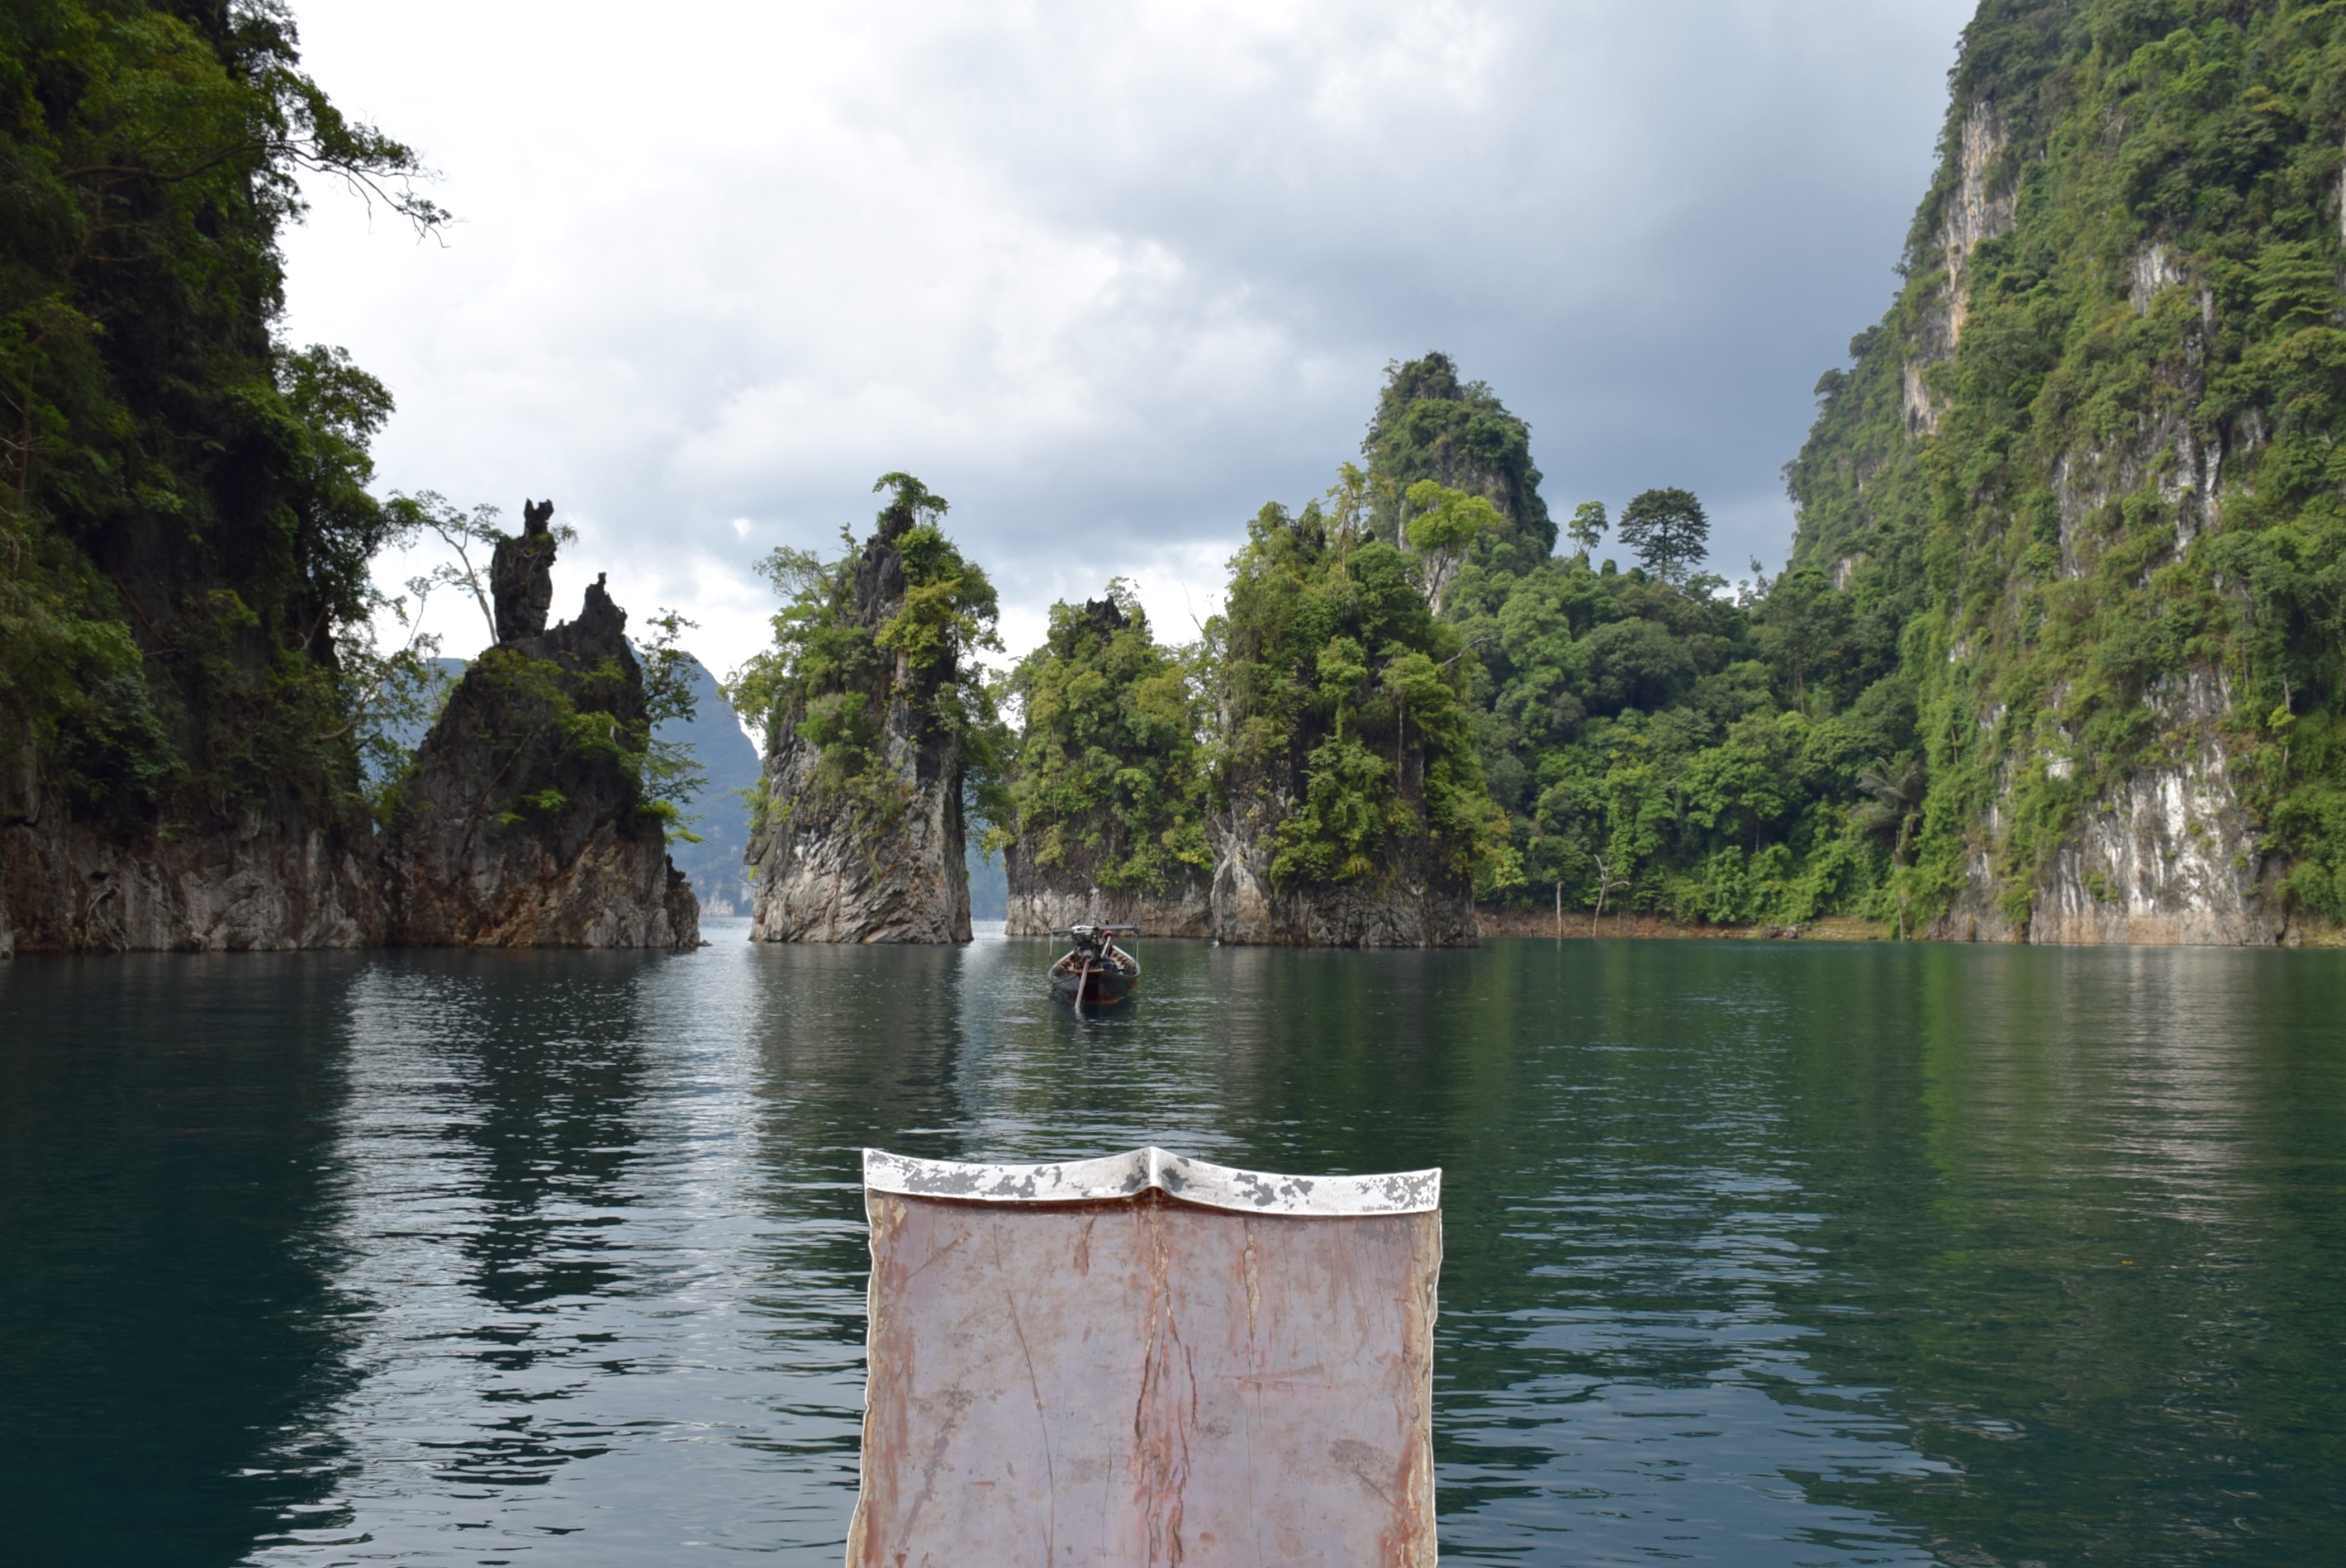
(1106, 275)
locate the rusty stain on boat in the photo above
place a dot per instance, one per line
(1147, 1359)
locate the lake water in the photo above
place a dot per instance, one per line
(1756, 1253)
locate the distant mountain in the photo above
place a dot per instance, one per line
(719, 810)
(989, 880)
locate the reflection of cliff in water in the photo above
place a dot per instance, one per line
(544, 1065)
(857, 1042)
(490, 1174)
(2086, 1150)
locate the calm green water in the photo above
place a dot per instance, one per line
(1760, 1253)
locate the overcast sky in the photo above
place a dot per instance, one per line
(1106, 276)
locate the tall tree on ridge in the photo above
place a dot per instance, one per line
(1667, 530)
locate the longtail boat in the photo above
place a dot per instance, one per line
(1095, 972)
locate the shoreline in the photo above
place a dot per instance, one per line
(1503, 922)
(1543, 922)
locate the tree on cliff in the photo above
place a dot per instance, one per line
(183, 509)
(1429, 424)
(1588, 526)
(1443, 523)
(1342, 693)
(1107, 784)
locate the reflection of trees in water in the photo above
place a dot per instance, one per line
(1337, 1058)
(1618, 1227)
(2090, 1283)
(165, 1312)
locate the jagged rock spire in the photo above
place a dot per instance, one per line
(521, 574)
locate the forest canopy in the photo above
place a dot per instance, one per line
(1108, 783)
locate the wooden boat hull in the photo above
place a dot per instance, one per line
(1103, 987)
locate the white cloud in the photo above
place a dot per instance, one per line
(1107, 276)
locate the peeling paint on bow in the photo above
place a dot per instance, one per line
(1125, 1176)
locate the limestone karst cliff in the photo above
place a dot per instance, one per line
(1415, 904)
(1106, 786)
(869, 716)
(1044, 900)
(522, 821)
(2087, 461)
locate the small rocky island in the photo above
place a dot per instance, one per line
(866, 709)
(523, 822)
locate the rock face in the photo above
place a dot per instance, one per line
(878, 857)
(264, 883)
(1045, 900)
(2165, 854)
(2166, 857)
(521, 825)
(274, 877)
(821, 876)
(1411, 906)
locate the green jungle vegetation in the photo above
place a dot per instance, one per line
(1412, 663)
(1337, 684)
(184, 516)
(1107, 780)
(2170, 277)
(1654, 743)
(837, 667)
(1409, 661)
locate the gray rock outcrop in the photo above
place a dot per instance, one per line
(275, 876)
(269, 882)
(822, 875)
(521, 575)
(521, 824)
(1413, 904)
(2167, 856)
(1043, 900)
